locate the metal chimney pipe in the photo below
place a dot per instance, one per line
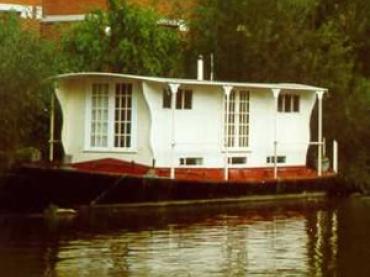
(200, 68)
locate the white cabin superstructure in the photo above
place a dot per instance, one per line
(183, 123)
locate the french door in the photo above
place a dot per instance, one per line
(236, 120)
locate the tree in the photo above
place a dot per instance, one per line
(26, 61)
(125, 39)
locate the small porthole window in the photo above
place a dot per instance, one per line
(191, 161)
(238, 160)
(279, 159)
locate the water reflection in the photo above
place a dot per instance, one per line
(287, 239)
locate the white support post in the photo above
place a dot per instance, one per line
(227, 91)
(335, 156)
(173, 89)
(320, 95)
(52, 127)
(275, 92)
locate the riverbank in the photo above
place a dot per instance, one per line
(34, 189)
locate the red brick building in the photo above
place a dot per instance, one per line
(51, 16)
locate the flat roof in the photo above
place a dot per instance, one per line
(286, 86)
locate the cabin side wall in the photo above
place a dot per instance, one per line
(199, 131)
(292, 130)
(73, 97)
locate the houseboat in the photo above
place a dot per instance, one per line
(188, 129)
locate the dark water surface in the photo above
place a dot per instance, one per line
(294, 238)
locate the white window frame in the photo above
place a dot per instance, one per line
(111, 117)
(237, 165)
(89, 134)
(236, 135)
(283, 96)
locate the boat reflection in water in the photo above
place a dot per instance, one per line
(295, 238)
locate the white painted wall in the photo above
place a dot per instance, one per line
(72, 94)
(198, 132)
(293, 129)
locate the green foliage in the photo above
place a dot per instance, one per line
(25, 62)
(318, 42)
(125, 39)
(269, 41)
(27, 154)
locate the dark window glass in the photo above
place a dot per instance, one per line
(167, 99)
(191, 161)
(179, 96)
(288, 103)
(128, 115)
(280, 103)
(296, 103)
(188, 99)
(280, 159)
(237, 160)
(128, 129)
(128, 141)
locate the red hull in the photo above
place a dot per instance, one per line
(197, 174)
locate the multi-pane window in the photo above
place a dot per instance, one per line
(243, 118)
(237, 119)
(288, 103)
(99, 115)
(279, 159)
(231, 120)
(123, 116)
(191, 161)
(111, 123)
(237, 160)
(184, 99)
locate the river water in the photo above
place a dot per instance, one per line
(284, 238)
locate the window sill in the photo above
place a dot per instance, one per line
(110, 150)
